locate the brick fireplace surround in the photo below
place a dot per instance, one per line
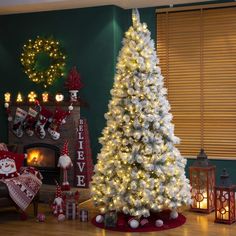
(67, 131)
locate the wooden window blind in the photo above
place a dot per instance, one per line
(197, 52)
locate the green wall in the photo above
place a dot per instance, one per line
(92, 40)
(88, 38)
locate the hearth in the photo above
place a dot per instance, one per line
(44, 157)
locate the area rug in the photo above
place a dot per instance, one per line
(150, 227)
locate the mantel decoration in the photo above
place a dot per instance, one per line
(43, 60)
(73, 84)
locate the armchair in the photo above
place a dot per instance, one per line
(5, 199)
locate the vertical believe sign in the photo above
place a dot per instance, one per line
(84, 165)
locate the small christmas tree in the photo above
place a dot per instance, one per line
(139, 168)
(73, 81)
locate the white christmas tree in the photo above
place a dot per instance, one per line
(139, 169)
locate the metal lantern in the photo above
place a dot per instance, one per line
(202, 179)
(225, 200)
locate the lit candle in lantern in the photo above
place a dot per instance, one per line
(202, 178)
(203, 203)
(225, 200)
(19, 97)
(32, 96)
(223, 213)
(59, 97)
(7, 97)
(45, 96)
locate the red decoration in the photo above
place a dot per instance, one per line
(73, 81)
(10, 164)
(225, 200)
(44, 116)
(58, 203)
(58, 119)
(72, 205)
(65, 163)
(202, 179)
(149, 227)
(84, 165)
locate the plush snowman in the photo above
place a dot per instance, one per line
(8, 168)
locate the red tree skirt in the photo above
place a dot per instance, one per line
(164, 216)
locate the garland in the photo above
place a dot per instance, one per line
(50, 47)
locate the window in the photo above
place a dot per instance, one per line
(197, 52)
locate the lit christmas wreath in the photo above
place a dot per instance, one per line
(44, 50)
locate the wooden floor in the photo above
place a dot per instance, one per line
(10, 225)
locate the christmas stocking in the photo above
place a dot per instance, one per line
(59, 118)
(30, 121)
(44, 116)
(17, 128)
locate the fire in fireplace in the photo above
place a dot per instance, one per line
(44, 157)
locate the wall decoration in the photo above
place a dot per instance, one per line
(43, 60)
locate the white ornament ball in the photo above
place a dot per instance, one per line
(159, 223)
(6, 105)
(61, 217)
(174, 214)
(9, 118)
(134, 224)
(70, 108)
(99, 219)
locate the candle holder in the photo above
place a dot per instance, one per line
(225, 200)
(202, 180)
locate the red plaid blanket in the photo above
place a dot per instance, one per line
(22, 189)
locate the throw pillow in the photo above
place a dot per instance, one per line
(10, 164)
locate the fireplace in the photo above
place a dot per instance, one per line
(44, 157)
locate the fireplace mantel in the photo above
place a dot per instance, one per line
(67, 130)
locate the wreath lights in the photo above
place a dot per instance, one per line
(52, 49)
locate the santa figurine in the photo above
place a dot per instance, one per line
(65, 163)
(58, 202)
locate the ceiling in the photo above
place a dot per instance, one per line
(22, 6)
